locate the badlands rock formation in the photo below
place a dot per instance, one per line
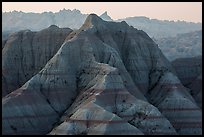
(185, 45)
(189, 71)
(106, 78)
(25, 53)
(5, 36)
(196, 90)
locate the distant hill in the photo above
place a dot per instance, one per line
(161, 28)
(15, 21)
(182, 46)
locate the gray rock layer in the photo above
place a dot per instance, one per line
(188, 69)
(25, 53)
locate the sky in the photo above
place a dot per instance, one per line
(187, 11)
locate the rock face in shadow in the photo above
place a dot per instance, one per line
(5, 36)
(196, 90)
(189, 71)
(25, 53)
(101, 81)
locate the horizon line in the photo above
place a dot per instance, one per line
(99, 15)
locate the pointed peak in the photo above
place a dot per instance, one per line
(106, 17)
(93, 19)
(105, 13)
(94, 16)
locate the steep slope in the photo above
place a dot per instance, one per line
(196, 90)
(3, 43)
(28, 52)
(101, 84)
(104, 73)
(176, 104)
(189, 71)
(184, 45)
(5, 36)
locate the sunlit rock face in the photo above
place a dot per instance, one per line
(106, 78)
